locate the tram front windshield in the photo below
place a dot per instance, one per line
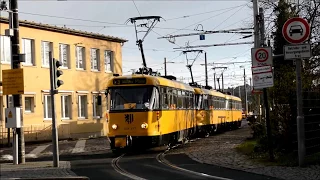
(130, 97)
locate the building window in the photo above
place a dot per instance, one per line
(28, 49)
(82, 106)
(47, 107)
(94, 53)
(108, 60)
(96, 106)
(5, 49)
(66, 106)
(64, 55)
(80, 57)
(28, 104)
(46, 47)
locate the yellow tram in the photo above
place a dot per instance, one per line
(147, 111)
(216, 111)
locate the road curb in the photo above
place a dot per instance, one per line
(50, 178)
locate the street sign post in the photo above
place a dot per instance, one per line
(297, 51)
(296, 31)
(261, 56)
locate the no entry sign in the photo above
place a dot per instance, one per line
(296, 30)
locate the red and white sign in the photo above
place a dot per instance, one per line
(261, 69)
(255, 91)
(296, 30)
(261, 56)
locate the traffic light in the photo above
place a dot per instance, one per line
(57, 73)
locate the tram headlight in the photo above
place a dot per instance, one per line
(144, 125)
(114, 126)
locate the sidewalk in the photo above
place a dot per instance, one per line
(38, 170)
(220, 150)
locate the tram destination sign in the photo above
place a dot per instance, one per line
(130, 81)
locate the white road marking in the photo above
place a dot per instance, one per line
(35, 152)
(81, 144)
(7, 157)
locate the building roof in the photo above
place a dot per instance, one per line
(47, 27)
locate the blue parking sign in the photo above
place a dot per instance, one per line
(202, 37)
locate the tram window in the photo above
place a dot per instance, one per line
(180, 99)
(164, 98)
(169, 96)
(174, 97)
(183, 101)
(192, 100)
(230, 104)
(187, 100)
(156, 103)
(210, 100)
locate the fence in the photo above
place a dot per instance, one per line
(311, 110)
(33, 133)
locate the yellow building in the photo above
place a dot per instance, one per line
(88, 59)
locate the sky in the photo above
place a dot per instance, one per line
(179, 17)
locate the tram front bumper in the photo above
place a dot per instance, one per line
(120, 142)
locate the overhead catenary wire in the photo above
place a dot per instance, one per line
(120, 25)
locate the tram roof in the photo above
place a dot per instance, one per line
(233, 97)
(150, 80)
(209, 92)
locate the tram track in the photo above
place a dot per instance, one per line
(160, 158)
(118, 169)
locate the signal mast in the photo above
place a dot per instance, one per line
(155, 20)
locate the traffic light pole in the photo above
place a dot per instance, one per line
(55, 143)
(15, 64)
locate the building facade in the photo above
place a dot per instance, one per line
(88, 62)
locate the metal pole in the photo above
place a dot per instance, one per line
(265, 94)
(55, 148)
(214, 78)
(222, 82)
(15, 146)
(256, 28)
(15, 64)
(245, 91)
(7, 105)
(300, 116)
(165, 66)
(206, 67)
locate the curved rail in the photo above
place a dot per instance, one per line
(116, 167)
(160, 158)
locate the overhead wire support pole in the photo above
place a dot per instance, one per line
(224, 68)
(15, 64)
(265, 92)
(165, 66)
(206, 68)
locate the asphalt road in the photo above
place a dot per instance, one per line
(147, 166)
